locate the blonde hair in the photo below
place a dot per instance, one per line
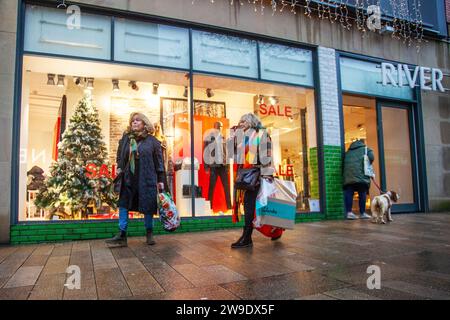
(148, 126)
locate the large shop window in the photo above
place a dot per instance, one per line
(52, 91)
(52, 31)
(288, 113)
(365, 77)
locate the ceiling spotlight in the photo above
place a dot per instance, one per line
(260, 99)
(273, 100)
(209, 93)
(50, 79)
(155, 88)
(360, 127)
(133, 85)
(60, 81)
(90, 84)
(185, 94)
(77, 81)
(115, 83)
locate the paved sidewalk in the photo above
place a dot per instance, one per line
(323, 260)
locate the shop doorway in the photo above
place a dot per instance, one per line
(387, 128)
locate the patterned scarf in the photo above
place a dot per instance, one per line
(135, 137)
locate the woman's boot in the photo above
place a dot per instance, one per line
(245, 240)
(119, 239)
(150, 240)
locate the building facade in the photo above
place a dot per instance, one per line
(316, 83)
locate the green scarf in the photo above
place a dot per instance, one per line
(134, 138)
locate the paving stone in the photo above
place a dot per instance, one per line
(318, 296)
(288, 286)
(139, 280)
(18, 293)
(111, 284)
(422, 261)
(349, 294)
(170, 279)
(103, 258)
(87, 291)
(49, 287)
(63, 249)
(204, 293)
(222, 274)
(357, 274)
(6, 252)
(198, 277)
(417, 290)
(13, 262)
(24, 276)
(56, 264)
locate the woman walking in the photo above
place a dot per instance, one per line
(140, 163)
(255, 153)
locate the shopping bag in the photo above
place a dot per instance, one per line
(276, 204)
(168, 213)
(270, 231)
(368, 168)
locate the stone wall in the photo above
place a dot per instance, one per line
(8, 30)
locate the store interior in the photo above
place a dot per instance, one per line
(52, 88)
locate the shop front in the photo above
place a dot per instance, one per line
(76, 86)
(388, 118)
(190, 83)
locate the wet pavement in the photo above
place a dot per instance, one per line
(319, 261)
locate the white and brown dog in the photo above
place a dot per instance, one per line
(381, 206)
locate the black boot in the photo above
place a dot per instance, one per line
(119, 239)
(245, 240)
(150, 240)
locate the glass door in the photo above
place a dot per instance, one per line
(398, 154)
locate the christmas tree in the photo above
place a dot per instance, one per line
(70, 185)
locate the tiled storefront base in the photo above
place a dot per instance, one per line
(57, 232)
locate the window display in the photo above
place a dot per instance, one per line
(288, 115)
(71, 131)
(75, 112)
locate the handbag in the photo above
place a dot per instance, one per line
(248, 179)
(368, 168)
(117, 182)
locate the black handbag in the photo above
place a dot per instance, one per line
(117, 182)
(248, 179)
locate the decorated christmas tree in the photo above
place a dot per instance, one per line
(70, 184)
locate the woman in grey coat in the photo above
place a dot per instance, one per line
(139, 157)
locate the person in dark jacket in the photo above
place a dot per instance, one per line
(139, 157)
(354, 178)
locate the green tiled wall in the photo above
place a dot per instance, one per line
(333, 182)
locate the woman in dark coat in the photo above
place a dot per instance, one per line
(140, 159)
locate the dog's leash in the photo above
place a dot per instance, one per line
(378, 187)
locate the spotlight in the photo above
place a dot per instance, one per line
(50, 79)
(115, 83)
(60, 81)
(185, 94)
(133, 85)
(273, 100)
(155, 88)
(77, 81)
(260, 99)
(90, 84)
(360, 127)
(209, 93)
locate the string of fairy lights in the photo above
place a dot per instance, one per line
(407, 23)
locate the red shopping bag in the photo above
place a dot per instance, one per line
(270, 231)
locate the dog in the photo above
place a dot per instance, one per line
(381, 206)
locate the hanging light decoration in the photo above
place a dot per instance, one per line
(407, 22)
